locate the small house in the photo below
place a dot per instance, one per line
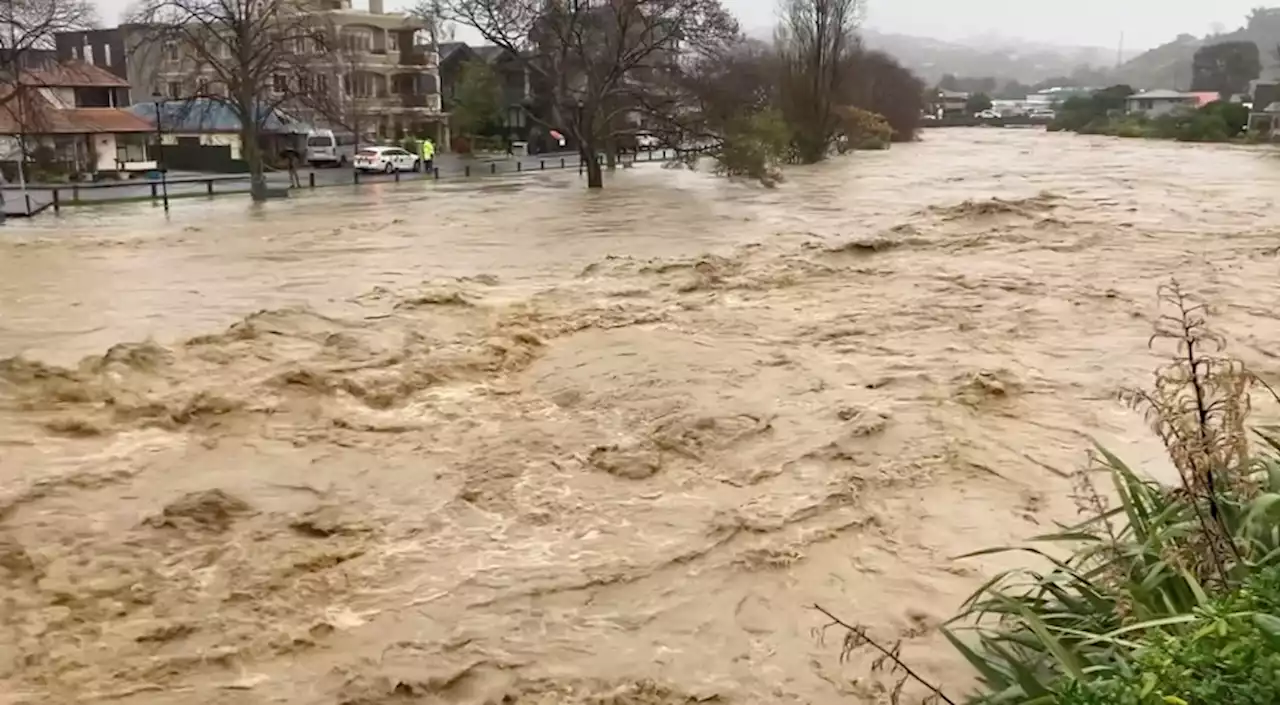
(204, 134)
(64, 120)
(947, 103)
(1161, 102)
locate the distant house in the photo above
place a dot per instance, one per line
(204, 134)
(1051, 98)
(66, 114)
(1264, 107)
(951, 102)
(125, 51)
(1162, 102)
(512, 73)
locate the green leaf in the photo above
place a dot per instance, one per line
(1270, 628)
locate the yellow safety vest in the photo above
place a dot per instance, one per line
(428, 149)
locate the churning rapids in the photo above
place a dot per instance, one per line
(520, 443)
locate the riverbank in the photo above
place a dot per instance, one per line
(565, 447)
(1218, 122)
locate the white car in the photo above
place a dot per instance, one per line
(385, 159)
(987, 115)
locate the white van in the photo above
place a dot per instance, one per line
(329, 148)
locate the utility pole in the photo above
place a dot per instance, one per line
(15, 60)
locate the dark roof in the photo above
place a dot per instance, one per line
(448, 49)
(484, 52)
(71, 74)
(208, 115)
(489, 53)
(32, 113)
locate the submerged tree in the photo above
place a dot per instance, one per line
(881, 85)
(257, 57)
(594, 63)
(816, 40)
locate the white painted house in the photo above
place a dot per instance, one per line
(1161, 102)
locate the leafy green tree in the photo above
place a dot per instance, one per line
(977, 103)
(477, 104)
(1234, 115)
(1225, 68)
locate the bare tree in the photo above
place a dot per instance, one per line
(817, 41)
(27, 35)
(263, 59)
(591, 60)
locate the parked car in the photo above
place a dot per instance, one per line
(329, 148)
(385, 159)
(1042, 114)
(987, 115)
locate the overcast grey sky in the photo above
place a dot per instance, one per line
(1145, 23)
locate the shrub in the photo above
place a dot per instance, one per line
(1203, 127)
(1141, 576)
(863, 129)
(755, 147)
(1230, 655)
(1234, 115)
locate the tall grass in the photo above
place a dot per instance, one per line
(1149, 574)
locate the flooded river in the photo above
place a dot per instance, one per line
(515, 442)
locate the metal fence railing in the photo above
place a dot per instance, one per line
(40, 197)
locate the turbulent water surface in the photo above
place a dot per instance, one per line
(522, 443)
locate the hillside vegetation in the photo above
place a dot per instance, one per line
(1169, 65)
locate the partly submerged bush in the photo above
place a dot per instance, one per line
(755, 147)
(863, 129)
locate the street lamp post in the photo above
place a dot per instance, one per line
(160, 165)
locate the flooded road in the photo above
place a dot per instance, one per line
(440, 444)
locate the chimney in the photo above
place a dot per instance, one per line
(375, 7)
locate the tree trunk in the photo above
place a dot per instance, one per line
(595, 174)
(253, 158)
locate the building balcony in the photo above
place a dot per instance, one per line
(409, 100)
(419, 58)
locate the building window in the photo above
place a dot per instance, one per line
(1146, 104)
(171, 51)
(88, 53)
(357, 41)
(175, 89)
(106, 54)
(393, 41)
(280, 83)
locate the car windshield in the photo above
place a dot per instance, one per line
(367, 153)
(319, 141)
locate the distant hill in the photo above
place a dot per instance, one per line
(1169, 65)
(1004, 58)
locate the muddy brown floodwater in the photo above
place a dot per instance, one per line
(527, 444)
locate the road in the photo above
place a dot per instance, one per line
(447, 166)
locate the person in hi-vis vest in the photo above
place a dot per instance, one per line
(428, 154)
